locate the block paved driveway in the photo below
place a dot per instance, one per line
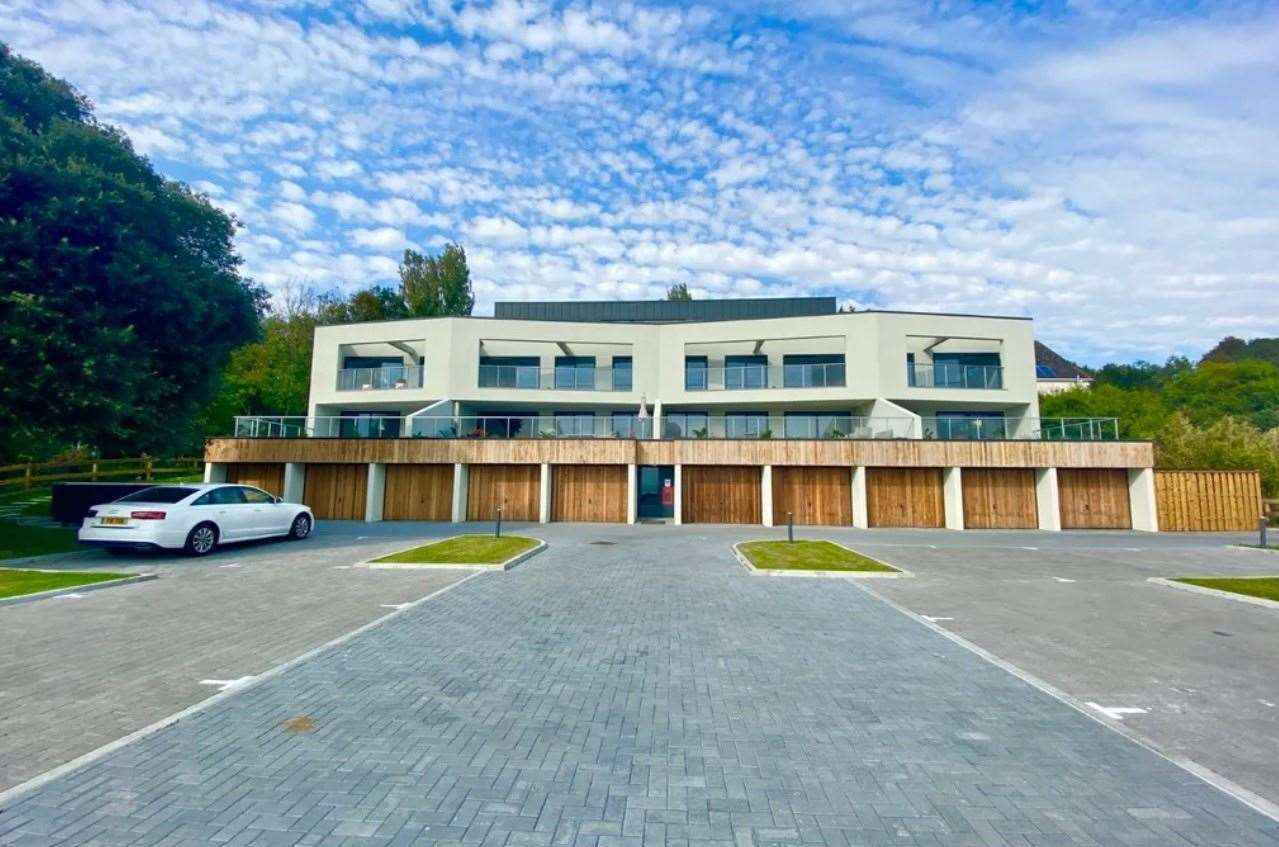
(648, 693)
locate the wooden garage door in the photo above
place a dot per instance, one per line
(516, 488)
(418, 493)
(269, 476)
(1093, 499)
(1191, 501)
(594, 493)
(815, 496)
(720, 494)
(337, 492)
(904, 497)
(999, 498)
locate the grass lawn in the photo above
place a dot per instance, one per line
(14, 582)
(1265, 587)
(17, 541)
(464, 550)
(809, 556)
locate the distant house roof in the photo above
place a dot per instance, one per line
(1049, 364)
(666, 311)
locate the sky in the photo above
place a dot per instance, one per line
(1108, 168)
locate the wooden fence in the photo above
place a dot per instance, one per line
(139, 467)
(1197, 501)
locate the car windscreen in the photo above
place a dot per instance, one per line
(158, 494)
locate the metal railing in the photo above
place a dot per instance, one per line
(753, 377)
(385, 377)
(955, 376)
(562, 378)
(678, 425)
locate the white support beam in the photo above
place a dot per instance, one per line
(459, 493)
(1141, 499)
(215, 472)
(1048, 499)
(544, 496)
(657, 419)
(861, 517)
(953, 497)
(375, 492)
(632, 495)
(766, 494)
(679, 494)
(294, 482)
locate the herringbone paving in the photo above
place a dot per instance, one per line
(637, 696)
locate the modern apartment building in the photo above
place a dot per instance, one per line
(738, 411)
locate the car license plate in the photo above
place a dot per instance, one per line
(109, 521)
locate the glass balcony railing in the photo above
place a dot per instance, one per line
(955, 376)
(562, 379)
(752, 377)
(377, 379)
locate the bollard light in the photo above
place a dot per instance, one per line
(498, 533)
(1261, 531)
(790, 526)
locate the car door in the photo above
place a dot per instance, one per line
(265, 516)
(224, 506)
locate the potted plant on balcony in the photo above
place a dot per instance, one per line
(701, 433)
(765, 433)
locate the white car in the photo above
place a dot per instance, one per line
(195, 518)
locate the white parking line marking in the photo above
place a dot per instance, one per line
(1116, 713)
(396, 605)
(224, 684)
(1062, 579)
(341, 567)
(231, 565)
(71, 596)
(935, 620)
(1027, 548)
(362, 537)
(1266, 703)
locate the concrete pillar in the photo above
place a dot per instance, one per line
(294, 482)
(1141, 499)
(459, 493)
(679, 494)
(953, 497)
(1048, 499)
(632, 494)
(766, 494)
(215, 472)
(861, 517)
(375, 492)
(657, 419)
(544, 498)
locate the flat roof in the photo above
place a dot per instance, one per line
(665, 311)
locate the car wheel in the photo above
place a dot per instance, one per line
(202, 539)
(301, 528)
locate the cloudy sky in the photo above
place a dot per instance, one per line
(1110, 168)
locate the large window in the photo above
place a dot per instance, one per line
(967, 370)
(685, 425)
(746, 425)
(622, 373)
(815, 370)
(574, 424)
(970, 425)
(745, 371)
(369, 425)
(510, 372)
(818, 424)
(575, 372)
(695, 369)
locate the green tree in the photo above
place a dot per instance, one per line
(1141, 374)
(1230, 443)
(435, 286)
(678, 291)
(1247, 389)
(379, 303)
(1141, 412)
(121, 296)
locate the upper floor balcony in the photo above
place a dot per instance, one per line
(560, 377)
(954, 375)
(380, 366)
(380, 378)
(699, 376)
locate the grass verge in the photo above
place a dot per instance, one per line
(18, 541)
(1265, 587)
(15, 582)
(463, 550)
(809, 556)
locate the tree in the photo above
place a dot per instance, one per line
(1141, 412)
(121, 295)
(379, 303)
(1141, 374)
(1248, 389)
(678, 291)
(1231, 349)
(436, 286)
(1230, 443)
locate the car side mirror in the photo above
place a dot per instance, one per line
(277, 500)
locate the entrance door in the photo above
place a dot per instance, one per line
(655, 489)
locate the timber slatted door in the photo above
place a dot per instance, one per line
(269, 476)
(516, 488)
(1093, 498)
(815, 496)
(337, 492)
(720, 494)
(418, 493)
(904, 497)
(594, 493)
(999, 498)
(1208, 501)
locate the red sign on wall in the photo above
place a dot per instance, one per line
(668, 494)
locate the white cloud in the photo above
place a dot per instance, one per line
(293, 216)
(381, 238)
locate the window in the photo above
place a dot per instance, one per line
(966, 370)
(256, 496)
(685, 425)
(510, 372)
(158, 494)
(818, 425)
(229, 495)
(1045, 372)
(818, 370)
(622, 373)
(971, 425)
(357, 424)
(574, 424)
(746, 425)
(575, 372)
(695, 368)
(745, 371)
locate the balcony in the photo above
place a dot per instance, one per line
(380, 378)
(681, 425)
(763, 377)
(949, 375)
(558, 379)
